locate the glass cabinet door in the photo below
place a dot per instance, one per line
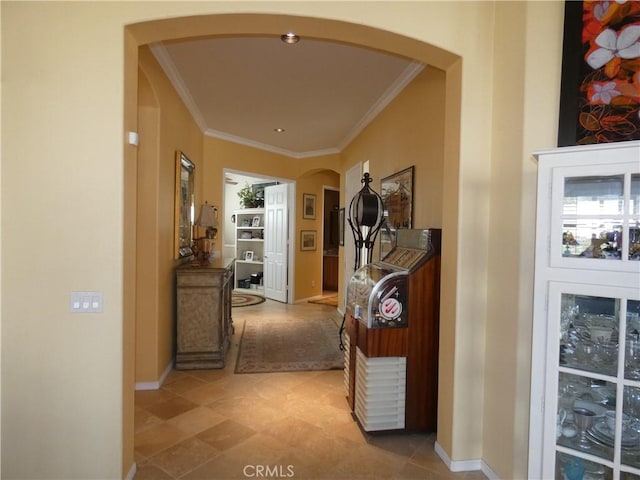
(596, 386)
(598, 218)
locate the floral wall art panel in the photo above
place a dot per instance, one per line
(600, 92)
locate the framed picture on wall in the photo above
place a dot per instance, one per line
(396, 191)
(599, 100)
(307, 240)
(308, 206)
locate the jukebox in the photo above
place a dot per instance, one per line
(391, 336)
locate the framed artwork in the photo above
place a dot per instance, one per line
(307, 240)
(184, 206)
(255, 221)
(248, 256)
(600, 89)
(397, 197)
(308, 206)
(341, 227)
(396, 191)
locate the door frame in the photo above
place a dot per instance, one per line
(324, 191)
(227, 212)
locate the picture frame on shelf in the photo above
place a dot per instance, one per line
(248, 256)
(308, 206)
(307, 240)
(255, 222)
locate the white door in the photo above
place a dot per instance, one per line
(352, 186)
(276, 227)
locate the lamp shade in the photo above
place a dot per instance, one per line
(207, 217)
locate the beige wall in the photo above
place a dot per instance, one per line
(409, 131)
(64, 148)
(529, 27)
(308, 268)
(164, 125)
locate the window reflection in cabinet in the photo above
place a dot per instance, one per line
(594, 216)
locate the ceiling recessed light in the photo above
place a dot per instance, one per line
(290, 38)
(278, 130)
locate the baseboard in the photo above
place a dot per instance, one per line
(132, 472)
(458, 465)
(158, 384)
(490, 474)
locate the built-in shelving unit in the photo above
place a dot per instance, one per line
(249, 249)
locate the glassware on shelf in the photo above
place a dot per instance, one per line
(584, 419)
(632, 359)
(573, 468)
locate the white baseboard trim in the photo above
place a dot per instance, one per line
(490, 474)
(458, 465)
(465, 465)
(158, 384)
(132, 472)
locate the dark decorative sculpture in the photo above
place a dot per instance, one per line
(365, 219)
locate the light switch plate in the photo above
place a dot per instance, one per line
(86, 302)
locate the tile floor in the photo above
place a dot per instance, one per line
(214, 424)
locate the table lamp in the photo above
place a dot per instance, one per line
(208, 219)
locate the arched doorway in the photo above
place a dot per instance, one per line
(248, 24)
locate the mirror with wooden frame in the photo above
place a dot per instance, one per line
(184, 206)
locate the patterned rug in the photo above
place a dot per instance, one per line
(245, 299)
(289, 346)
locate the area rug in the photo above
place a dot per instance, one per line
(245, 299)
(289, 346)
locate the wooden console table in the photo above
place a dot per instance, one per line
(204, 323)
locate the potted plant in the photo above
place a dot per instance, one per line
(248, 197)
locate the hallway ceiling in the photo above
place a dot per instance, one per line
(321, 93)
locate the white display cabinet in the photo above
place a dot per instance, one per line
(585, 390)
(249, 248)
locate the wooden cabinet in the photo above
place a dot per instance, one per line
(391, 369)
(249, 248)
(585, 379)
(204, 323)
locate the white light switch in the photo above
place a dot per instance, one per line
(86, 302)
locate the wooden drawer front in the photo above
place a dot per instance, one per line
(202, 278)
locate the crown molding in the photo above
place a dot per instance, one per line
(385, 99)
(269, 148)
(164, 59)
